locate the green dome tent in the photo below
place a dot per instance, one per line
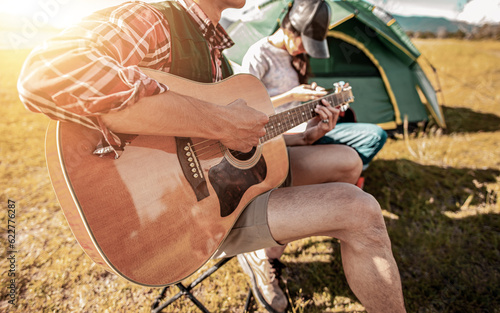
(368, 49)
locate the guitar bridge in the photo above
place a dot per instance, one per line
(191, 167)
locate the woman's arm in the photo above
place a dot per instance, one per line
(300, 93)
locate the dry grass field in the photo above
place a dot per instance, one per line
(439, 192)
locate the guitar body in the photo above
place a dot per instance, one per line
(146, 216)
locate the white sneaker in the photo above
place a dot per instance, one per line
(265, 275)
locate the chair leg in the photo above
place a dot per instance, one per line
(156, 307)
(248, 302)
(186, 291)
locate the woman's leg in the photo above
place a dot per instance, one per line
(367, 139)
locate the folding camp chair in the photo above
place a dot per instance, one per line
(186, 291)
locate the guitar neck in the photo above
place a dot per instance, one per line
(282, 122)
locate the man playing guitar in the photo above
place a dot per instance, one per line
(92, 75)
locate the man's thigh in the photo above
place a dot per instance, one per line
(329, 209)
(292, 212)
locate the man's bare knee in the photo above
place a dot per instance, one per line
(340, 210)
(368, 227)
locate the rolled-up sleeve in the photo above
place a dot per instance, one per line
(93, 68)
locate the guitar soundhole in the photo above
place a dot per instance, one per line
(242, 156)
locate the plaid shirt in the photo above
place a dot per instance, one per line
(92, 68)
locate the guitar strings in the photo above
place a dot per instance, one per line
(215, 148)
(220, 150)
(217, 152)
(201, 149)
(208, 151)
(291, 115)
(203, 152)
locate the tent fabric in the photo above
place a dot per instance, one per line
(425, 86)
(368, 49)
(384, 24)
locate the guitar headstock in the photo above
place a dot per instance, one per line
(345, 90)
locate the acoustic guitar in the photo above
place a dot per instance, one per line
(159, 212)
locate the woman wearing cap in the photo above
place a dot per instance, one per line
(280, 61)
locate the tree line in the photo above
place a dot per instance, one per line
(486, 31)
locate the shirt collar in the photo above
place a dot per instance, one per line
(215, 35)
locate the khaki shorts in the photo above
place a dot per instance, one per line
(251, 230)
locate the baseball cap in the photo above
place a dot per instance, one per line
(311, 18)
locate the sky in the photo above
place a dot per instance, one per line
(475, 11)
(60, 13)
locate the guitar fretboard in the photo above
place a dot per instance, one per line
(286, 120)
